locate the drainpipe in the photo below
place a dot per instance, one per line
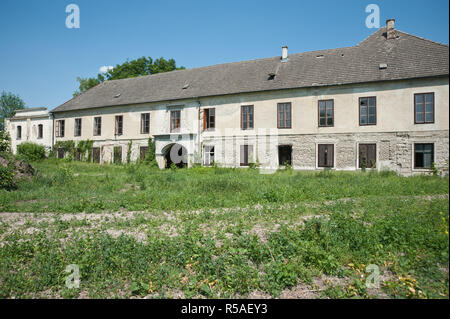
(199, 129)
(53, 130)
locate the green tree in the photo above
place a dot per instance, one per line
(129, 69)
(9, 103)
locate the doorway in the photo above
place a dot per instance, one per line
(285, 155)
(175, 154)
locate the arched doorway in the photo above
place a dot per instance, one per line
(175, 154)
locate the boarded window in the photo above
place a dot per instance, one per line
(96, 154)
(209, 119)
(60, 127)
(19, 132)
(117, 155)
(145, 123)
(367, 155)
(326, 112)
(367, 110)
(246, 154)
(424, 108)
(175, 121)
(77, 127)
(284, 155)
(247, 117)
(40, 131)
(326, 155)
(143, 150)
(423, 155)
(284, 115)
(208, 152)
(97, 126)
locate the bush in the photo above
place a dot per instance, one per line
(5, 142)
(7, 178)
(31, 151)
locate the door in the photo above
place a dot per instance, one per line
(96, 154)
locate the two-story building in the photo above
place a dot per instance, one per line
(382, 103)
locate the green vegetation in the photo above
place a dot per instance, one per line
(31, 151)
(9, 104)
(216, 232)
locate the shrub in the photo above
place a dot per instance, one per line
(7, 178)
(31, 151)
(5, 142)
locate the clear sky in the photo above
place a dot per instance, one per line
(40, 58)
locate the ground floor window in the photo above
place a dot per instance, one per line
(208, 155)
(246, 153)
(143, 151)
(96, 154)
(117, 154)
(367, 155)
(61, 152)
(285, 155)
(423, 155)
(77, 154)
(325, 155)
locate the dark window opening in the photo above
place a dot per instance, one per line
(60, 126)
(61, 152)
(209, 119)
(119, 125)
(77, 127)
(96, 154)
(367, 155)
(97, 126)
(326, 155)
(246, 154)
(143, 151)
(145, 123)
(117, 154)
(285, 155)
(367, 111)
(40, 131)
(77, 154)
(175, 121)
(326, 112)
(424, 108)
(284, 115)
(247, 117)
(423, 155)
(19, 132)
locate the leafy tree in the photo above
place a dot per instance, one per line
(129, 69)
(9, 103)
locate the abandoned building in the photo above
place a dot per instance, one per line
(383, 103)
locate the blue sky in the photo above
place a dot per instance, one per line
(40, 58)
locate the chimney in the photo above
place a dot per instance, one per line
(284, 53)
(390, 33)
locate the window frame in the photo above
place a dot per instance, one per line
(424, 108)
(58, 130)
(358, 164)
(247, 154)
(75, 133)
(207, 151)
(118, 129)
(40, 134)
(97, 130)
(318, 155)
(143, 150)
(247, 120)
(207, 119)
(433, 151)
(367, 116)
(145, 129)
(19, 129)
(326, 116)
(284, 115)
(175, 127)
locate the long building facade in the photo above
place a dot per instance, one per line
(381, 104)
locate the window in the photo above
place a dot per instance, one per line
(367, 111)
(77, 127)
(326, 112)
(61, 152)
(77, 154)
(285, 155)
(208, 152)
(424, 108)
(145, 123)
(284, 115)
(19, 132)
(326, 155)
(367, 155)
(118, 130)
(97, 126)
(60, 128)
(423, 155)
(40, 131)
(117, 155)
(143, 151)
(209, 119)
(246, 153)
(96, 154)
(247, 117)
(175, 121)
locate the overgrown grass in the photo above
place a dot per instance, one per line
(312, 228)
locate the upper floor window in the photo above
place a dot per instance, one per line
(60, 126)
(423, 155)
(423, 108)
(326, 112)
(246, 117)
(175, 121)
(40, 130)
(367, 110)
(97, 126)
(77, 127)
(284, 115)
(19, 132)
(145, 123)
(209, 119)
(118, 130)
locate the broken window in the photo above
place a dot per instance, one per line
(209, 119)
(284, 115)
(143, 150)
(60, 126)
(175, 121)
(145, 123)
(423, 155)
(97, 126)
(246, 154)
(326, 112)
(367, 155)
(326, 155)
(119, 125)
(367, 111)
(77, 127)
(285, 155)
(246, 117)
(424, 108)
(208, 152)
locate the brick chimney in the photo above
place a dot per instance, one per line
(390, 30)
